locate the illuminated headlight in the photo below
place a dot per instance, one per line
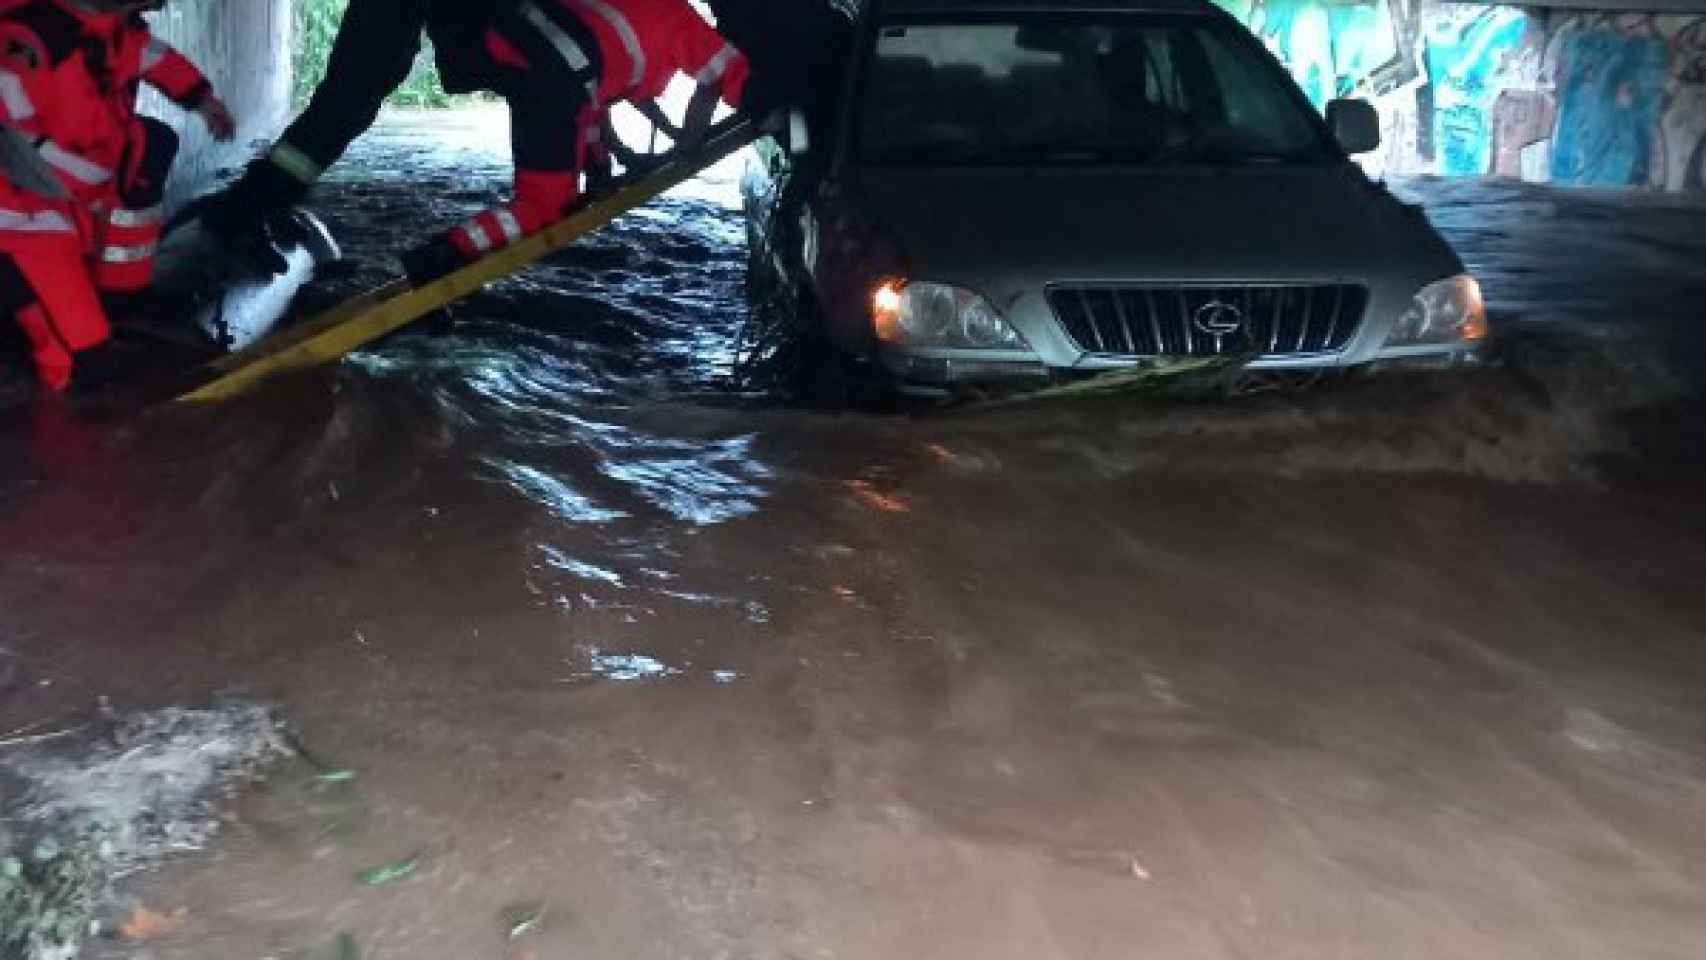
(939, 315)
(1445, 311)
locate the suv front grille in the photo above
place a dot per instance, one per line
(1268, 320)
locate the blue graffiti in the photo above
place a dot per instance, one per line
(1364, 40)
(1610, 93)
(1463, 67)
(1327, 47)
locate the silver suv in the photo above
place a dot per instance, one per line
(1019, 189)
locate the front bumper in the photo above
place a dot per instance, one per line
(948, 367)
(944, 367)
(1422, 355)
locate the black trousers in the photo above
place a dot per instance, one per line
(545, 100)
(798, 50)
(377, 44)
(375, 47)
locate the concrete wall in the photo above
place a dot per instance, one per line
(244, 46)
(1545, 94)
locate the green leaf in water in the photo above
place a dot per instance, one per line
(379, 876)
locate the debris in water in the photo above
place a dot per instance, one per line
(636, 666)
(524, 919)
(397, 870)
(151, 783)
(143, 924)
(148, 786)
(336, 776)
(630, 666)
(22, 737)
(876, 499)
(46, 905)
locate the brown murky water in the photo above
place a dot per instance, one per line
(1406, 668)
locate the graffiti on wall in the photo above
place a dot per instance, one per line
(1610, 90)
(1466, 62)
(1683, 128)
(1631, 100)
(1521, 119)
(1574, 97)
(1330, 49)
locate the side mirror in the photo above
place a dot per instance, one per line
(799, 135)
(1355, 125)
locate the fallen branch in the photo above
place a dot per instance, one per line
(17, 739)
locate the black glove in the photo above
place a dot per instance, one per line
(246, 214)
(264, 192)
(433, 260)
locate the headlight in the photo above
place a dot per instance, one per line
(939, 315)
(1446, 311)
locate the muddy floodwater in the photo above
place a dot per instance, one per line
(598, 632)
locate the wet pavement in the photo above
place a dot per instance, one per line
(1406, 667)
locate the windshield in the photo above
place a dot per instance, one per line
(1132, 90)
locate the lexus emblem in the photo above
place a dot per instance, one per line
(1217, 318)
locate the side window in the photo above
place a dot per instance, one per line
(1164, 87)
(1205, 101)
(1246, 105)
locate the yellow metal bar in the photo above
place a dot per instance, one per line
(386, 308)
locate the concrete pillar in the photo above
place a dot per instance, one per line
(244, 46)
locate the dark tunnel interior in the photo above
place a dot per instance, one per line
(1053, 494)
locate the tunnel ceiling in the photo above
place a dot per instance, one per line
(1611, 6)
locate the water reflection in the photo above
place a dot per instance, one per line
(629, 667)
(701, 483)
(541, 372)
(580, 568)
(551, 493)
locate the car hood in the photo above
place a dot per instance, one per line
(1001, 231)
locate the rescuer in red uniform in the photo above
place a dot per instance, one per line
(555, 61)
(74, 158)
(59, 147)
(128, 232)
(594, 53)
(376, 46)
